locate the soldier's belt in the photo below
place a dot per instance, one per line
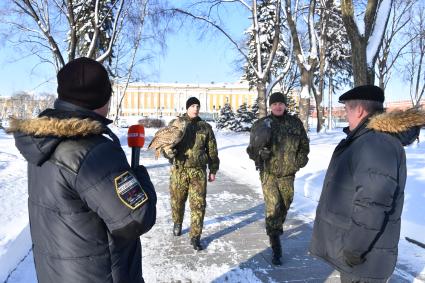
(280, 175)
(180, 166)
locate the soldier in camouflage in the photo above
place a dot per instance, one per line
(279, 146)
(196, 151)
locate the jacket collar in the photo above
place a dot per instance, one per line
(186, 117)
(65, 109)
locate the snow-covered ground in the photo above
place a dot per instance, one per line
(15, 241)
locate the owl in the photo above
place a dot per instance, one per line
(168, 137)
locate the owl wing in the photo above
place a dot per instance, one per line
(165, 136)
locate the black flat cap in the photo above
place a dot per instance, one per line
(363, 92)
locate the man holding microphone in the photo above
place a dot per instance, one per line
(87, 207)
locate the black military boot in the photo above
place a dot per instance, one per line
(276, 248)
(177, 229)
(196, 243)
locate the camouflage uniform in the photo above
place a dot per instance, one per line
(197, 149)
(289, 147)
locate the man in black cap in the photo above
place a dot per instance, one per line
(357, 225)
(279, 146)
(196, 151)
(87, 207)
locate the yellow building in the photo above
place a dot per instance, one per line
(169, 99)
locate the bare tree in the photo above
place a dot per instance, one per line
(307, 61)
(119, 32)
(415, 65)
(41, 25)
(57, 31)
(262, 70)
(395, 40)
(334, 56)
(365, 43)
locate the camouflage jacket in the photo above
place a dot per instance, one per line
(289, 145)
(198, 147)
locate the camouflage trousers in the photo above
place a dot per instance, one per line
(190, 182)
(278, 194)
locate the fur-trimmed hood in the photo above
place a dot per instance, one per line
(397, 121)
(50, 126)
(404, 125)
(38, 138)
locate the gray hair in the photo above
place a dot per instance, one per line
(370, 106)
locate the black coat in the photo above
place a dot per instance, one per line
(83, 227)
(358, 216)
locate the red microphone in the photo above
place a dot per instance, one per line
(135, 140)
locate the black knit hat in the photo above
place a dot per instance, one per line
(84, 82)
(277, 97)
(364, 92)
(192, 100)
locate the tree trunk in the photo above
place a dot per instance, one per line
(304, 111)
(361, 73)
(304, 105)
(319, 109)
(381, 82)
(262, 99)
(360, 69)
(330, 126)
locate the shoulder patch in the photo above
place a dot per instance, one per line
(130, 191)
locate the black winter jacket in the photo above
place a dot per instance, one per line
(87, 208)
(358, 216)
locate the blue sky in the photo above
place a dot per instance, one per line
(188, 59)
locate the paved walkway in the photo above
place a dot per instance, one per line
(234, 235)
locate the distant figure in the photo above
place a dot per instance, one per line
(87, 207)
(279, 146)
(357, 225)
(190, 158)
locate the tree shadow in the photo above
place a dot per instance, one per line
(297, 264)
(257, 213)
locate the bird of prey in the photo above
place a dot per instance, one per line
(260, 138)
(167, 138)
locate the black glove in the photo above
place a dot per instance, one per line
(265, 154)
(353, 259)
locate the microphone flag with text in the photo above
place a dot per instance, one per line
(135, 140)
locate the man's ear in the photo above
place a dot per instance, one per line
(360, 112)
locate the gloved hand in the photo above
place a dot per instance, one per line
(265, 154)
(353, 259)
(169, 153)
(172, 153)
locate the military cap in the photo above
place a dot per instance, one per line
(277, 97)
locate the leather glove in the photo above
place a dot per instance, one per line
(352, 259)
(265, 154)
